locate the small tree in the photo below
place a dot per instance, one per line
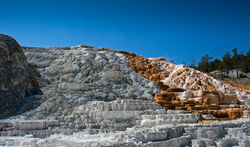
(227, 62)
(217, 64)
(220, 67)
(235, 59)
(242, 62)
(214, 65)
(193, 64)
(235, 52)
(204, 64)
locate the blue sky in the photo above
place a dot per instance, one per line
(175, 29)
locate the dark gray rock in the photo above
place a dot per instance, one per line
(16, 82)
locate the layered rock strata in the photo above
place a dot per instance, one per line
(94, 97)
(221, 134)
(183, 88)
(91, 89)
(16, 82)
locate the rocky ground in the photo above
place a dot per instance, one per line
(234, 75)
(101, 97)
(222, 134)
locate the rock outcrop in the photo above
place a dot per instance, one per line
(91, 89)
(101, 97)
(16, 82)
(183, 88)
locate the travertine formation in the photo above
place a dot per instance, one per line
(183, 88)
(78, 75)
(95, 97)
(16, 82)
(221, 134)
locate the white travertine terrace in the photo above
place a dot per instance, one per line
(91, 97)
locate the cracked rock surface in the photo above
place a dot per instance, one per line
(16, 81)
(76, 76)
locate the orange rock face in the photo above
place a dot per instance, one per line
(180, 92)
(229, 99)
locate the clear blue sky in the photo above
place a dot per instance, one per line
(176, 29)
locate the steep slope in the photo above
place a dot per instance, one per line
(91, 89)
(88, 74)
(16, 82)
(184, 88)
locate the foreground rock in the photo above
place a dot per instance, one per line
(16, 82)
(221, 134)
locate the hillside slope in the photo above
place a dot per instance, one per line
(90, 93)
(184, 88)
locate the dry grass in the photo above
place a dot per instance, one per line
(241, 86)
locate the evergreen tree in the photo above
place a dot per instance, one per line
(227, 62)
(205, 63)
(241, 62)
(234, 51)
(215, 65)
(193, 64)
(238, 62)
